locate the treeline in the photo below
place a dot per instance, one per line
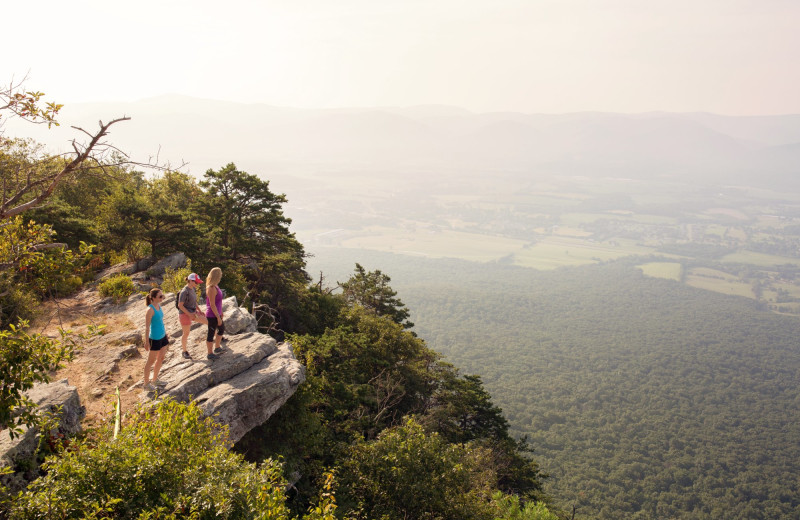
(643, 398)
(229, 218)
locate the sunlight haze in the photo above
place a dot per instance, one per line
(729, 57)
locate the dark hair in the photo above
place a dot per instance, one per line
(152, 295)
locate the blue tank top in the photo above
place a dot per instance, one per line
(157, 330)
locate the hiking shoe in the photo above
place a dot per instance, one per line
(160, 383)
(186, 355)
(149, 387)
(218, 350)
(212, 356)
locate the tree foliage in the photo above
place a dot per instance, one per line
(366, 376)
(26, 359)
(406, 473)
(372, 291)
(27, 104)
(169, 461)
(641, 396)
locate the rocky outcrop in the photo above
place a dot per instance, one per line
(147, 272)
(174, 261)
(20, 453)
(243, 387)
(104, 353)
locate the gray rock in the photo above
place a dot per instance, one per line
(237, 320)
(118, 338)
(20, 453)
(173, 261)
(251, 397)
(116, 269)
(143, 264)
(187, 379)
(103, 353)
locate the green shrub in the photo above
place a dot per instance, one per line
(168, 461)
(26, 359)
(119, 287)
(135, 250)
(16, 303)
(405, 473)
(67, 286)
(115, 257)
(510, 508)
(175, 279)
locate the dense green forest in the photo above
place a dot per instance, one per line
(643, 398)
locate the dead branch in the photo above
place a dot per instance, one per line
(95, 156)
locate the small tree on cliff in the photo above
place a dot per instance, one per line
(372, 291)
(245, 228)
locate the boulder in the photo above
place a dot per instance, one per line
(174, 261)
(114, 270)
(250, 398)
(144, 263)
(102, 354)
(237, 319)
(20, 453)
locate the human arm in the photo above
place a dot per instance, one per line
(182, 307)
(147, 318)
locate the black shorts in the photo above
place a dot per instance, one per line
(158, 344)
(213, 327)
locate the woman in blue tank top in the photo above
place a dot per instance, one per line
(156, 338)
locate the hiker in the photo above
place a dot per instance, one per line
(156, 338)
(187, 310)
(214, 313)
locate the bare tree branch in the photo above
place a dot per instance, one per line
(96, 155)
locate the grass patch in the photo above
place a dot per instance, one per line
(720, 285)
(759, 259)
(435, 244)
(713, 273)
(668, 270)
(554, 252)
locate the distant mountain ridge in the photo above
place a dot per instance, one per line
(209, 133)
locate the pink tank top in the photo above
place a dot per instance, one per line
(217, 303)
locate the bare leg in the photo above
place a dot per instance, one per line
(151, 358)
(159, 359)
(185, 336)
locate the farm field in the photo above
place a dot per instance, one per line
(759, 259)
(724, 286)
(434, 243)
(554, 252)
(668, 270)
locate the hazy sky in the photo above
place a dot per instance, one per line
(733, 57)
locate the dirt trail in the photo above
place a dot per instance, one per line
(89, 370)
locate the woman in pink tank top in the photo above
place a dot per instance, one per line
(214, 313)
